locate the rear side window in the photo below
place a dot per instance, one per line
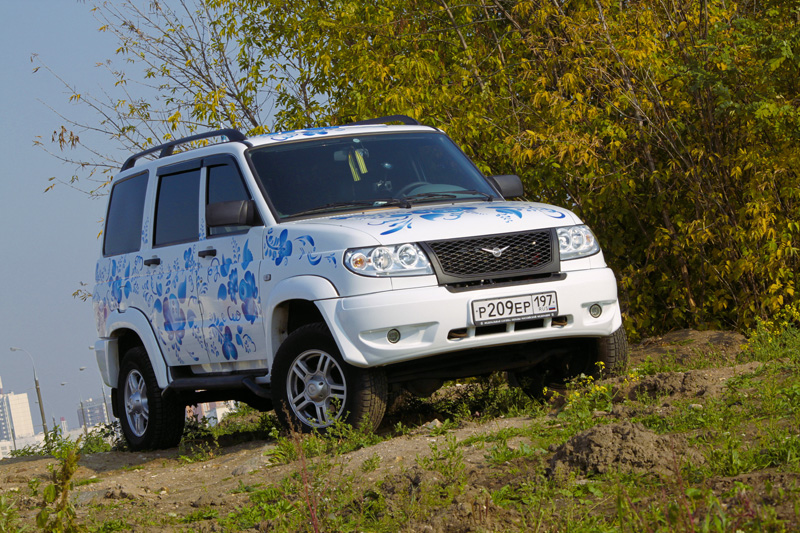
(177, 208)
(124, 219)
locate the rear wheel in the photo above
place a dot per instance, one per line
(314, 387)
(148, 420)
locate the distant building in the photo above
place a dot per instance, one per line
(15, 416)
(95, 412)
(212, 411)
(5, 419)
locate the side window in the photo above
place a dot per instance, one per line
(124, 218)
(225, 185)
(177, 208)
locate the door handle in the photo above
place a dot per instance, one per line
(209, 252)
(152, 261)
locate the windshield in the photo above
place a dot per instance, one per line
(359, 172)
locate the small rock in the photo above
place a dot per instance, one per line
(118, 494)
(696, 407)
(205, 501)
(434, 424)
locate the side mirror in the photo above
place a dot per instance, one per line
(234, 213)
(509, 185)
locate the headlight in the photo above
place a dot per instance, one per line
(575, 242)
(397, 260)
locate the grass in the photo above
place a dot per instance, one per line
(746, 477)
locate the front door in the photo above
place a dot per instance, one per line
(233, 323)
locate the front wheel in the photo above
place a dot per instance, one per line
(148, 420)
(613, 353)
(602, 357)
(314, 387)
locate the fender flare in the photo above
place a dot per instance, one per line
(108, 356)
(310, 288)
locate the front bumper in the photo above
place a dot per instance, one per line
(433, 320)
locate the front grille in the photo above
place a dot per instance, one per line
(494, 256)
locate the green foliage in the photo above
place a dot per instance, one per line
(97, 440)
(669, 127)
(200, 515)
(58, 513)
(9, 516)
(103, 438)
(670, 139)
(110, 526)
(447, 458)
(338, 439)
(777, 338)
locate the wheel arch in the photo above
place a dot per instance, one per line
(293, 304)
(127, 330)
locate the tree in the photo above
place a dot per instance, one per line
(670, 126)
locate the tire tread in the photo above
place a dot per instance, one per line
(370, 385)
(166, 414)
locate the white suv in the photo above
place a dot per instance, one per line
(320, 270)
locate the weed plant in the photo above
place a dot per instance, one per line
(97, 440)
(58, 513)
(9, 516)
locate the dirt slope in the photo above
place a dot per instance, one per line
(157, 484)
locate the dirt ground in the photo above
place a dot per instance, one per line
(160, 483)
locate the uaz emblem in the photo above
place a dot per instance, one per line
(497, 252)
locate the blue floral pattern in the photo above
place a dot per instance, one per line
(395, 221)
(165, 293)
(280, 248)
(237, 300)
(311, 132)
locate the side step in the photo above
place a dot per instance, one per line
(234, 384)
(238, 387)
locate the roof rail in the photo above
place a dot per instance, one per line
(403, 119)
(167, 148)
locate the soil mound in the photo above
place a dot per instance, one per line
(624, 447)
(694, 383)
(688, 345)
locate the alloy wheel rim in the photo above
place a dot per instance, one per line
(137, 410)
(316, 388)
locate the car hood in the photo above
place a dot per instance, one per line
(451, 221)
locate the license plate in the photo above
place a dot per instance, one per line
(514, 308)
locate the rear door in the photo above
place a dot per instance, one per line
(171, 266)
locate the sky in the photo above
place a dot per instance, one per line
(50, 239)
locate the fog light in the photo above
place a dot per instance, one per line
(595, 310)
(393, 336)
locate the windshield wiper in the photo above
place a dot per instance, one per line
(448, 195)
(382, 202)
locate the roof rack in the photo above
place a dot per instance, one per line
(403, 119)
(167, 148)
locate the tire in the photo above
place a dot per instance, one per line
(313, 386)
(149, 421)
(611, 350)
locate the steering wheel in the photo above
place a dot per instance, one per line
(411, 186)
